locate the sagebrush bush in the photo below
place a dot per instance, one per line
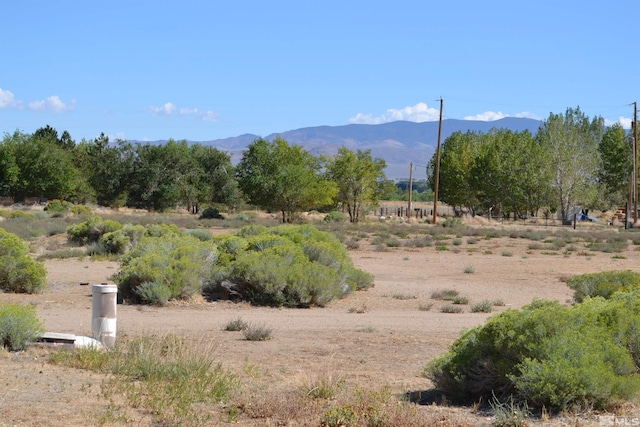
(123, 239)
(58, 205)
(177, 261)
(82, 210)
(18, 271)
(548, 356)
(602, 284)
(293, 266)
(91, 230)
(19, 326)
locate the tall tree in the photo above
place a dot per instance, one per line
(511, 173)
(45, 169)
(572, 140)
(359, 178)
(458, 154)
(216, 178)
(616, 164)
(280, 177)
(9, 171)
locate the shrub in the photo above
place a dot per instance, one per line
(153, 293)
(81, 210)
(235, 325)
(203, 235)
(336, 216)
(602, 284)
(451, 308)
(548, 356)
(19, 326)
(179, 262)
(257, 333)
(60, 206)
(211, 213)
(293, 266)
(18, 271)
(484, 306)
(122, 240)
(91, 230)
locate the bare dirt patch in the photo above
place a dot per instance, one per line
(380, 337)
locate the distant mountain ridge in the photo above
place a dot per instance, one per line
(398, 143)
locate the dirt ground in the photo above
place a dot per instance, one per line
(379, 337)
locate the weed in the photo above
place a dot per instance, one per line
(484, 306)
(509, 414)
(507, 253)
(235, 325)
(469, 270)
(460, 300)
(445, 294)
(404, 296)
(257, 333)
(451, 308)
(359, 310)
(425, 307)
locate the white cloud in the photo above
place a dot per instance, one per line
(7, 99)
(52, 104)
(169, 109)
(624, 121)
(165, 110)
(417, 113)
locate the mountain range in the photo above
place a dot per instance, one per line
(398, 143)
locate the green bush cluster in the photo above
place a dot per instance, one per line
(18, 271)
(58, 206)
(19, 326)
(292, 266)
(548, 355)
(336, 216)
(91, 230)
(166, 266)
(603, 284)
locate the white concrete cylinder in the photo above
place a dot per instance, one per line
(103, 316)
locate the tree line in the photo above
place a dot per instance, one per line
(572, 160)
(273, 175)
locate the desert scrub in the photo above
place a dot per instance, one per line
(177, 262)
(163, 376)
(19, 326)
(18, 271)
(292, 266)
(548, 356)
(91, 230)
(336, 216)
(237, 324)
(602, 284)
(58, 206)
(257, 333)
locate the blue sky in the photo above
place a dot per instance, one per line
(203, 70)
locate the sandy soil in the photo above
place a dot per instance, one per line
(379, 337)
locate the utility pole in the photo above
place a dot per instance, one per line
(635, 164)
(410, 189)
(437, 171)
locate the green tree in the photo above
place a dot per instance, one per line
(9, 170)
(44, 168)
(358, 177)
(161, 174)
(108, 168)
(280, 177)
(616, 164)
(458, 154)
(511, 173)
(572, 140)
(216, 182)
